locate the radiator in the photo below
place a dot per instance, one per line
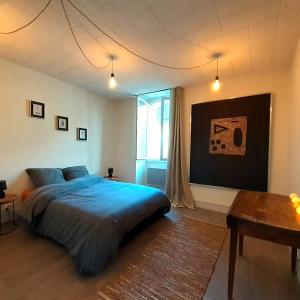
(156, 177)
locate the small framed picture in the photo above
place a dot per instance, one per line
(82, 134)
(62, 123)
(37, 109)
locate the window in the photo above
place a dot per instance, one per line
(153, 118)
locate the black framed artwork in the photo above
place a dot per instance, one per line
(230, 143)
(37, 109)
(62, 123)
(81, 134)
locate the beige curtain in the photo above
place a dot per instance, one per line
(177, 185)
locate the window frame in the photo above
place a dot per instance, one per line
(162, 103)
(137, 116)
(162, 128)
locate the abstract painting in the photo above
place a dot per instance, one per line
(228, 136)
(230, 143)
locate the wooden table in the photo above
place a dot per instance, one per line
(8, 199)
(266, 216)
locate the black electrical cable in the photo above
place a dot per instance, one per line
(30, 22)
(104, 33)
(131, 51)
(76, 41)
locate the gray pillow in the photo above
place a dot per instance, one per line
(75, 172)
(45, 176)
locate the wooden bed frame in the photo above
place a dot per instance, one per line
(25, 194)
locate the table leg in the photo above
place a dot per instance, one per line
(13, 212)
(0, 220)
(232, 259)
(241, 244)
(294, 260)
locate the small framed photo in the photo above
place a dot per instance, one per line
(81, 134)
(37, 109)
(62, 123)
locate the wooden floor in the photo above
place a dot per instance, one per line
(38, 269)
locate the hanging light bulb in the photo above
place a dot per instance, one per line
(112, 81)
(216, 84)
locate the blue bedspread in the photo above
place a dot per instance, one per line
(90, 216)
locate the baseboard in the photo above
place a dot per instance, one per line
(212, 206)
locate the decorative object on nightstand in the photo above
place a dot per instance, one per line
(110, 176)
(10, 225)
(3, 187)
(110, 172)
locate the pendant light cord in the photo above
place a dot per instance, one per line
(105, 34)
(30, 22)
(76, 40)
(133, 52)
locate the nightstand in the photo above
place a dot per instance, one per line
(10, 225)
(114, 178)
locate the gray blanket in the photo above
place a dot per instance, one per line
(90, 216)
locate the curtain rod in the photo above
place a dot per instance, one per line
(153, 92)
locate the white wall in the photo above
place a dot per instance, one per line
(294, 158)
(30, 142)
(294, 162)
(279, 85)
(125, 153)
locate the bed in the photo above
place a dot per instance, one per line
(90, 216)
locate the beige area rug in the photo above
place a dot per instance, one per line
(177, 264)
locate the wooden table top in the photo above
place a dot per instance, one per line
(265, 208)
(9, 198)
